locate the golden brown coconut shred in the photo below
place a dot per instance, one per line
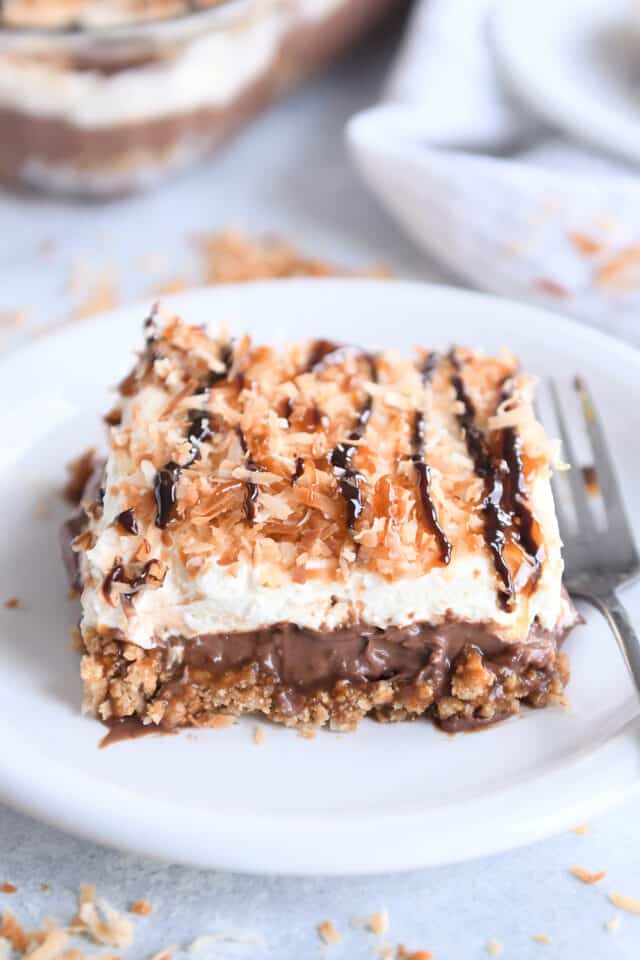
(263, 485)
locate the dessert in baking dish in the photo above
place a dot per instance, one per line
(99, 97)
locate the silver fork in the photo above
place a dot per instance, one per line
(597, 561)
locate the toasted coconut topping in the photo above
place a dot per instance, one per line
(319, 458)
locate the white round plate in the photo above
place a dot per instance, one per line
(576, 63)
(387, 797)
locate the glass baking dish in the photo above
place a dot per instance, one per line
(95, 109)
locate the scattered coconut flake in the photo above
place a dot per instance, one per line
(620, 272)
(225, 938)
(623, 902)
(8, 888)
(541, 938)
(494, 948)
(384, 952)
(232, 257)
(258, 735)
(613, 923)
(101, 296)
(14, 932)
(100, 921)
(585, 244)
(13, 318)
(166, 953)
(141, 907)
(581, 829)
(13, 603)
(328, 933)
(52, 945)
(175, 284)
(46, 246)
(307, 734)
(587, 876)
(87, 893)
(551, 287)
(378, 922)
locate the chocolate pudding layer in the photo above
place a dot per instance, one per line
(461, 675)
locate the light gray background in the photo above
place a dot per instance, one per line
(289, 174)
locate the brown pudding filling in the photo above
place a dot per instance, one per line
(461, 675)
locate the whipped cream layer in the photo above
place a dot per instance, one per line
(219, 602)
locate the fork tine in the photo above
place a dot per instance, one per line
(607, 479)
(583, 510)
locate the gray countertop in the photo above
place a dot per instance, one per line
(289, 174)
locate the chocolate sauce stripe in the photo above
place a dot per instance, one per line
(507, 518)
(515, 500)
(165, 486)
(342, 455)
(423, 471)
(251, 495)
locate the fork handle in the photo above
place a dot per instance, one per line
(618, 619)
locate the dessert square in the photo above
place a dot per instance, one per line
(316, 534)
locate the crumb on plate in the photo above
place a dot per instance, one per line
(141, 907)
(587, 876)
(328, 933)
(494, 948)
(623, 902)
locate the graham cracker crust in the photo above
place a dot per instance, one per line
(124, 681)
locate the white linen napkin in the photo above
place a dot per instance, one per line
(507, 204)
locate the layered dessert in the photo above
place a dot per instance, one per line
(99, 97)
(316, 534)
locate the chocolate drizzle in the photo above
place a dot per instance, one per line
(514, 500)
(128, 386)
(214, 377)
(423, 470)
(325, 353)
(299, 470)
(251, 495)
(127, 520)
(118, 574)
(199, 428)
(429, 367)
(504, 506)
(114, 576)
(165, 489)
(342, 454)
(321, 350)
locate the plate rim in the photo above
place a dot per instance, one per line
(20, 789)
